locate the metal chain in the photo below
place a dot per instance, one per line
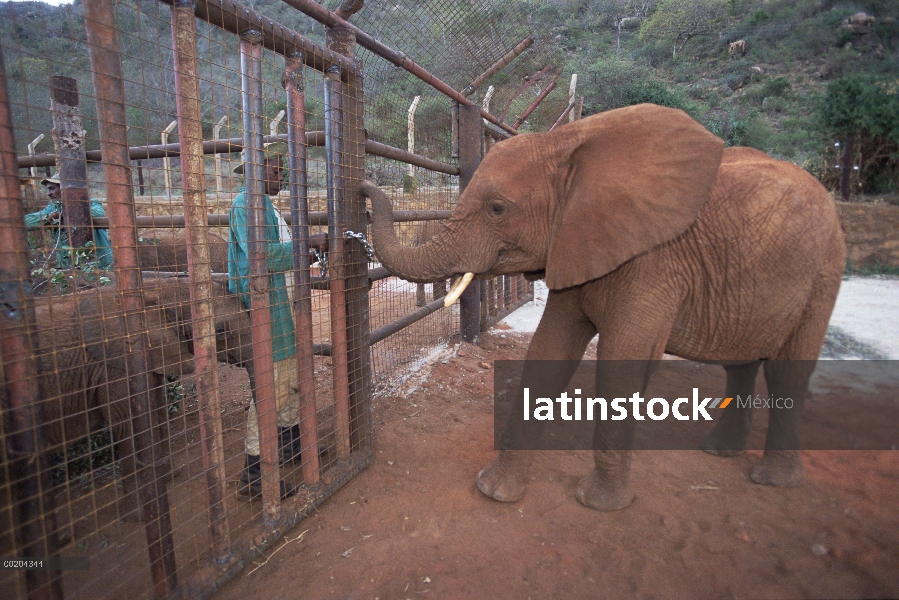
(322, 259)
(350, 235)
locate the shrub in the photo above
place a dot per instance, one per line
(864, 108)
(774, 104)
(656, 92)
(777, 87)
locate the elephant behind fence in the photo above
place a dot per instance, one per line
(82, 378)
(166, 250)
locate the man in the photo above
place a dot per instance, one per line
(280, 259)
(51, 216)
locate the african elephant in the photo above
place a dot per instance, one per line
(652, 235)
(82, 378)
(424, 231)
(166, 250)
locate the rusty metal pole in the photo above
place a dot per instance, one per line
(336, 191)
(471, 132)
(302, 291)
(534, 105)
(140, 177)
(152, 472)
(30, 473)
(257, 240)
(190, 129)
(509, 57)
(562, 116)
(530, 81)
(68, 140)
(357, 260)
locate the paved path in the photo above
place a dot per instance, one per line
(867, 313)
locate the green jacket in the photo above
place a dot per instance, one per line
(61, 236)
(280, 259)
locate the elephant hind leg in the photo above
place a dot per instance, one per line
(788, 376)
(728, 437)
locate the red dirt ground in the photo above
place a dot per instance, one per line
(415, 526)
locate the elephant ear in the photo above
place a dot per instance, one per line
(101, 326)
(637, 178)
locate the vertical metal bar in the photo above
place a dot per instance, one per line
(257, 240)
(454, 130)
(471, 132)
(357, 290)
(218, 157)
(140, 177)
(485, 306)
(337, 258)
(68, 139)
(507, 291)
(34, 516)
(302, 291)
(108, 79)
(190, 128)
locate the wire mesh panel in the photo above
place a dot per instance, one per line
(457, 42)
(212, 261)
(197, 324)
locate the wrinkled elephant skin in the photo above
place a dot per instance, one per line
(82, 377)
(653, 236)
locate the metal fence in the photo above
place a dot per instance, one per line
(128, 387)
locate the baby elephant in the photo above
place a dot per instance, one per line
(82, 377)
(166, 250)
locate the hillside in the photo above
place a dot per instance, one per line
(808, 77)
(773, 97)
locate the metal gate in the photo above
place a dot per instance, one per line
(128, 386)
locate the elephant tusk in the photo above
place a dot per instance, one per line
(457, 289)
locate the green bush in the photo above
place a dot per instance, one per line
(774, 104)
(656, 92)
(779, 87)
(866, 107)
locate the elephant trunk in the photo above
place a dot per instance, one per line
(434, 261)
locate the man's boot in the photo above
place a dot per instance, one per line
(289, 444)
(250, 486)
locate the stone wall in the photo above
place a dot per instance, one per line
(872, 234)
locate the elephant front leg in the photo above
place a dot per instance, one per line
(632, 338)
(728, 437)
(607, 487)
(562, 335)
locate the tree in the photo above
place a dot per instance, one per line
(683, 20)
(861, 111)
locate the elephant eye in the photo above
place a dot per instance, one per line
(497, 208)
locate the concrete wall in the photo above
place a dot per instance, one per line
(872, 234)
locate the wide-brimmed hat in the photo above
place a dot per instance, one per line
(52, 179)
(269, 151)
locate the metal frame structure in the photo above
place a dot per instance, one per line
(349, 278)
